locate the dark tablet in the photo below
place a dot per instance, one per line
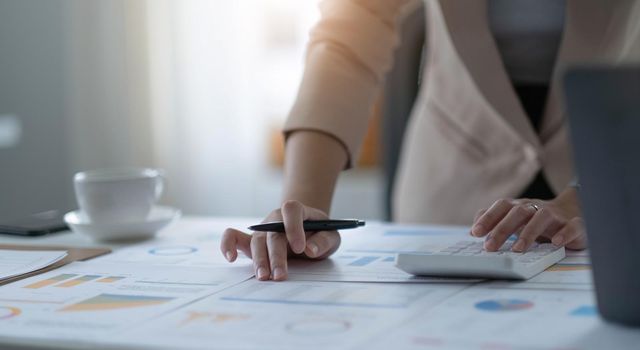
(38, 224)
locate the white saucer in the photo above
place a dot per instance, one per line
(159, 218)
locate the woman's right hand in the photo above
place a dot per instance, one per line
(270, 250)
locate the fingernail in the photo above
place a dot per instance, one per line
(557, 240)
(477, 229)
(262, 273)
(297, 247)
(488, 242)
(278, 273)
(313, 248)
(228, 255)
(519, 246)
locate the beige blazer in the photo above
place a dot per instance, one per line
(469, 141)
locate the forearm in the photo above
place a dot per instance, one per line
(313, 161)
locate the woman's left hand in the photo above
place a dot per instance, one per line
(558, 220)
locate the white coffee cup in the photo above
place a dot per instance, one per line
(118, 195)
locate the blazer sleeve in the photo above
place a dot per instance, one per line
(348, 54)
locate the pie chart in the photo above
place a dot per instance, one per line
(7, 312)
(500, 305)
(173, 251)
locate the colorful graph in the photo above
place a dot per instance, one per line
(76, 281)
(7, 312)
(171, 251)
(115, 301)
(318, 327)
(68, 281)
(500, 305)
(50, 281)
(569, 267)
(211, 317)
(364, 261)
(110, 279)
(585, 311)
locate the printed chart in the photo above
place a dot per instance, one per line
(49, 281)
(359, 267)
(291, 315)
(365, 260)
(569, 267)
(7, 312)
(68, 280)
(172, 250)
(115, 301)
(363, 295)
(489, 318)
(190, 253)
(501, 305)
(585, 311)
(84, 300)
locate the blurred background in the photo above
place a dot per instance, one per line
(199, 88)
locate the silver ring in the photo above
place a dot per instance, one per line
(535, 206)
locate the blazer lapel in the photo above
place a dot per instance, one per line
(467, 23)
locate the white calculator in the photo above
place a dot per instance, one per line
(469, 259)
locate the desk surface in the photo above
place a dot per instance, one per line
(173, 302)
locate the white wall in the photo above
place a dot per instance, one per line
(34, 169)
(191, 86)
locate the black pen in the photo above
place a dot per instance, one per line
(310, 225)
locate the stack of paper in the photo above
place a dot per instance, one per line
(19, 262)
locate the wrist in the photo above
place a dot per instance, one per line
(568, 199)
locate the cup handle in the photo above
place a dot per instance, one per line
(160, 184)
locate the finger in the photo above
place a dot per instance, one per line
(260, 256)
(519, 215)
(314, 214)
(479, 213)
(277, 248)
(293, 217)
(488, 220)
(541, 222)
(573, 235)
(232, 240)
(322, 244)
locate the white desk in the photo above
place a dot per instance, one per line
(307, 314)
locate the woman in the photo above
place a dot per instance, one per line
(487, 126)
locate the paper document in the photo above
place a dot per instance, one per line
(86, 300)
(196, 245)
(488, 318)
(289, 315)
(18, 262)
(365, 255)
(185, 252)
(571, 273)
(368, 255)
(360, 267)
